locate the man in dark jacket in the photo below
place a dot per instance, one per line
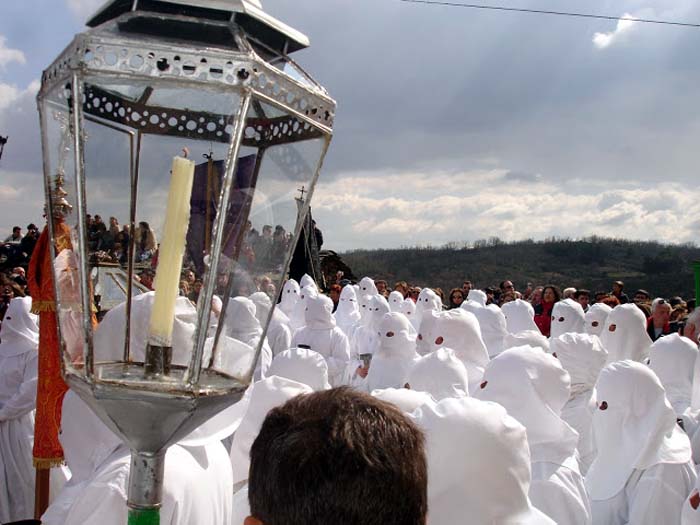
(659, 325)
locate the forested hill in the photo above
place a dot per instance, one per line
(593, 263)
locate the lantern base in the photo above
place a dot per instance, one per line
(158, 361)
(144, 517)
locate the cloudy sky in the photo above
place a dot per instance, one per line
(453, 124)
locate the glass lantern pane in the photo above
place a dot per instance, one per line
(148, 230)
(278, 163)
(60, 158)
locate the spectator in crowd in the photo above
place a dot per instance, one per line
(377, 477)
(466, 288)
(15, 237)
(569, 293)
(456, 298)
(659, 324)
(617, 291)
(382, 287)
(334, 294)
(145, 241)
(641, 296)
(402, 286)
(610, 300)
(29, 241)
(536, 295)
(583, 297)
(543, 310)
(600, 296)
(146, 278)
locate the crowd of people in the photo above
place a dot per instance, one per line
(403, 406)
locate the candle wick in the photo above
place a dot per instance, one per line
(185, 152)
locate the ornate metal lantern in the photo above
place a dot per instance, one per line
(149, 79)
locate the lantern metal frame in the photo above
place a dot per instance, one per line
(107, 52)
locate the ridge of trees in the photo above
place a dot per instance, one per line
(592, 262)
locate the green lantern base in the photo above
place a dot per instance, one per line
(144, 517)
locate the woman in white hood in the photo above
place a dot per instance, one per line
(642, 473)
(459, 330)
(520, 316)
(395, 355)
(583, 356)
(279, 335)
(595, 318)
(290, 297)
(242, 325)
(491, 321)
(567, 316)
(367, 287)
(478, 465)
(18, 381)
(625, 334)
(303, 366)
(672, 358)
(395, 300)
(440, 374)
(533, 387)
(347, 315)
(322, 335)
(197, 483)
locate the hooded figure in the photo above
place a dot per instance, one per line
(290, 297)
(365, 339)
(533, 338)
(242, 324)
(424, 343)
(307, 283)
(279, 335)
(491, 321)
(395, 355)
(18, 382)
(367, 287)
(595, 318)
(322, 335)
(395, 300)
(298, 318)
(347, 315)
(428, 301)
(404, 399)
(520, 316)
(264, 396)
(583, 356)
(197, 483)
(440, 374)
(672, 358)
(408, 308)
(459, 330)
(303, 366)
(478, 465)
(533, 387)
(625, 334)
(642, 473)
(567, 316)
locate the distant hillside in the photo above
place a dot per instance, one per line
(593, 263)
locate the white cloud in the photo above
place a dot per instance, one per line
(392, 210)
(10, 95)
(84, 8)
(624, 25)
(9, 55)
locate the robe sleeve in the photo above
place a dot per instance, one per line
(24, 400)
(339, 357)
(659, 496)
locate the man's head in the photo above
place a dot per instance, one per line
(691, 330)
(381, 285)
(16, 231)
(617, 287)
(641, 296)
(466, 287)
(506, 286)
(583, 297)
(661, 313)
(337, 457)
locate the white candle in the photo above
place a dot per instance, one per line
(171, 252)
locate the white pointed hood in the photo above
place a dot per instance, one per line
(263, 305)
(241, 322)
(290, 297)
(424, 344)
(377, 307)
(408, 308)
(395, 300)
(302, 365)
(567, 316)
(582, 355)
(532, 338)
(441, 374)
(298, 317)
(478, 464)
(625, 334)
(673, 358)
(19, 333)
(395, 354)
(427, 301)
(404, 399)
(367, 287)
(264, 396)
(520, 316)
(533, 387)
(491, 321)
(307, 283)
(595, 318)
(459, 330)
(363, 306)
(319, 313)
(478, 297)
(348, 312)
(634, 427)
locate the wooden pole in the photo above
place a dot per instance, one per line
(41, 487)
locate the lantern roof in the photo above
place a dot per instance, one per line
(247, 14)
